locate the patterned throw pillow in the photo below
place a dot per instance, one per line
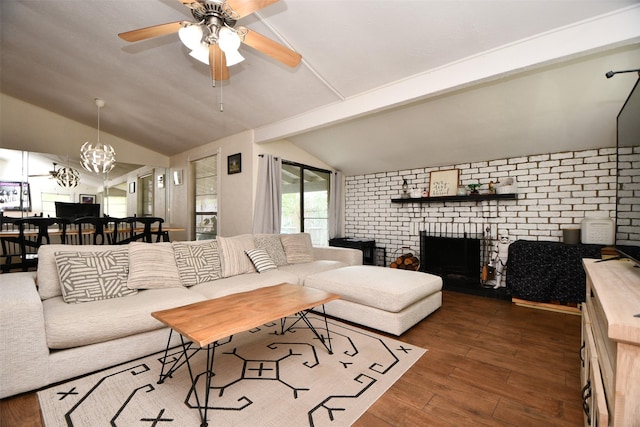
(298, 247)
(272, 244)
(152, 266)
(93, 276)
(261, 260)
(197, 262)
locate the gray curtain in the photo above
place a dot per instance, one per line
(268, 207)
(336, 205)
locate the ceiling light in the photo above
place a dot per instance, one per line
(229, 42)
(100, 158)
(201, 53)
(191, 36)
(68, 177)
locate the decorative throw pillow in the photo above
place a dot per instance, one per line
(93, 276)
(298, 247)
(261, 260)
(234, 258)
(272, 244)
(197, 262)
(152, 266)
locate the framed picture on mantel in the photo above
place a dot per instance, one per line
(444, 183)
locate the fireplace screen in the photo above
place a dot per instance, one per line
(455, 255)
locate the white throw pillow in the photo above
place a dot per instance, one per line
(93, 276)
(298, 247)
(152, 266)
(234, 258)
(261, 260)
(197, 261)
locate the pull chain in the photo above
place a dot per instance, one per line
(221, 104)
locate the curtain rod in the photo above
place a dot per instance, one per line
(313, 168)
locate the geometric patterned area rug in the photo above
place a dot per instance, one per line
(261, 378)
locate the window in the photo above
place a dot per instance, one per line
(305, 201)
(206, 198)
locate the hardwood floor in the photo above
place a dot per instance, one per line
(489, 363)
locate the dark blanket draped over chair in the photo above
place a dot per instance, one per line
(548, 271)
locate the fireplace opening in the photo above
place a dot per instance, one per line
(457, 252)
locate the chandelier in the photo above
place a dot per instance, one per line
(67, 177)
(99, 158)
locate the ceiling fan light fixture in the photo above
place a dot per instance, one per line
(191, 36)
(201, 53)
(229, 42)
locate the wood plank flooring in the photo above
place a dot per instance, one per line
(490, 363)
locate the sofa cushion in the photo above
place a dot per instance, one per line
(243, 283)
(92, 276)
(74, 325)
(273, 245)
(387, 289)
(261, 260)
(309, 268)
(152, 266)
(234, 258)
(298, 247)
(197, 261)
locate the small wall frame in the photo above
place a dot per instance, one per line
(234, 163)
(444, 183)
(88, 198)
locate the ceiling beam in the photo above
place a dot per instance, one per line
(606, 31)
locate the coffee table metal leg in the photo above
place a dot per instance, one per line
(202, 407)
(302, 315)
(176, 363)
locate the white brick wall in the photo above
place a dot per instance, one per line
(555, 191)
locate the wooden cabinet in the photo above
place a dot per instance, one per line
(610, 352)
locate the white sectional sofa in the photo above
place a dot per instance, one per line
(88, 307)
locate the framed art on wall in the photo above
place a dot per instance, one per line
(234, 163)
(444, 183)
(87, 198)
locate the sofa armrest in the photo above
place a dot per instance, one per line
(347, 255)
(23, 343)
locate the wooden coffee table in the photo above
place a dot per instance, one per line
(204, 323)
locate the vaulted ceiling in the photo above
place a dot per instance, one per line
(383, 85)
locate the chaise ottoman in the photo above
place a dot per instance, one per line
(382, 298)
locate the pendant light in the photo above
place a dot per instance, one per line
(100, 158)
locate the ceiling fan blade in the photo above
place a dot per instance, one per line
(149, 32)
(272, 49)
(218, 63)
(245, 7)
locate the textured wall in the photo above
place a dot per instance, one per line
(555, 191)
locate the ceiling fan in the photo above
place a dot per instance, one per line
(52, 173)
(214, 38)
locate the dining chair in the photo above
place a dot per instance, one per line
(33, 232)
(151, 227)
(116, 231)
(90, 230)
(10, 246)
